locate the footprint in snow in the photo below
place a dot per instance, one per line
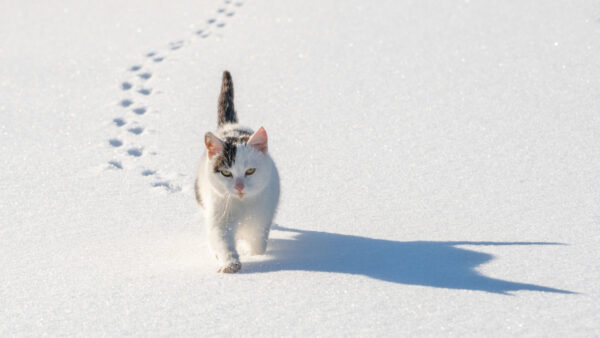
(166, 185)
(144, 91)
(136, 130)
(115, 165)
(148, 172)
(140, 110)
(115, 142)
(135, 152)
(126, 103)
(126, 85)
(135, 68)
(119, 122)
(158, 59)
(176, 45)
(145, 76)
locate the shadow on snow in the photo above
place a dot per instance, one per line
(435, 264)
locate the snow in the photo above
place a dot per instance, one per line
(439, 164)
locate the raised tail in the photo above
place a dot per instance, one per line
(226, 109)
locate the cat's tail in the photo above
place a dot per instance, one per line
(226, 110)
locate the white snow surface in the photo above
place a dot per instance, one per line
(439, 160)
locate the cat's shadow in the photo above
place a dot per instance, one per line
(427, 263)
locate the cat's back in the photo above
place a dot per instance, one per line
(234, 133)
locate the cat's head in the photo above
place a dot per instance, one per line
(240, 166)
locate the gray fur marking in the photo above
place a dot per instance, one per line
(232, 139)
(225, 108)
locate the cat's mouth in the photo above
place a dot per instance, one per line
(240, 194)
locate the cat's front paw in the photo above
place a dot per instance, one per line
(230, 268)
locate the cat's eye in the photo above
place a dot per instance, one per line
(250, 171)
(226, 173)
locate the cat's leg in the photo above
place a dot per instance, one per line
(222, 243)
(260, 218)
(257, 235)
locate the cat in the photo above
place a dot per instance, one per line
(237, 185)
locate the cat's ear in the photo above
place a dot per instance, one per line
(214, 145)
(258, 140)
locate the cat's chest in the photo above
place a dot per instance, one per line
(234, 208)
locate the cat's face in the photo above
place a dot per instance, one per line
(239, 169)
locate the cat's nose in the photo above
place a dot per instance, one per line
(239, 187)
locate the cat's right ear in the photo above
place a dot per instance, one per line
(214, 145)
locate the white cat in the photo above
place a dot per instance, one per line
(237, 185)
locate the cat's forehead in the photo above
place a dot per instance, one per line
(234, 139)
(236, 156)
(226, 158)
(246, 156)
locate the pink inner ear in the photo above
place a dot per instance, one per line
(213, 144)
(258, 141)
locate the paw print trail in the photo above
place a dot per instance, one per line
(128, 141)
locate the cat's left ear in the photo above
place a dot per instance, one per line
(258, 140)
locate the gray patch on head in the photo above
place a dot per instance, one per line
(226, 159)
(231, 139)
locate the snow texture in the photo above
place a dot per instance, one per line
(439, 164)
